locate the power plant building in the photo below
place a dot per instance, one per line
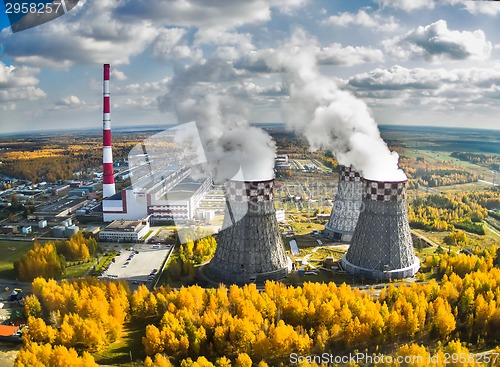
(346, 207)
(249, 247)
(165, 196)
(381, 246)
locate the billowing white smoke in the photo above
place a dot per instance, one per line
(331, 118)
(234, 149)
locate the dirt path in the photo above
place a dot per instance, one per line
(8, 354)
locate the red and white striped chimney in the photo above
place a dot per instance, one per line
(108, 182)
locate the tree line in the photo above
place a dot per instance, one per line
(244, 326)
(49, 260)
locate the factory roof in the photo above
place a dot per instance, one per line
(125, 225)
(61, 205)
(184, 189)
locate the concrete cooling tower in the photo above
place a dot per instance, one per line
(249, 247)
(347, 205)
(381, 245)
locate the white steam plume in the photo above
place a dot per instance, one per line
(234, 149)
(328, 117)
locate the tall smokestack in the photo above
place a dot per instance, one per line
(108, 182)
(249, 248)
(347, 205)
(381, 245)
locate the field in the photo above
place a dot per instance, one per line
(126, 351)
(11, 251)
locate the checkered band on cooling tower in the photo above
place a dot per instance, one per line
(254, 191)
(348, 174)
(385, 191)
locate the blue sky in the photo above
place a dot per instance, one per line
(413, 62)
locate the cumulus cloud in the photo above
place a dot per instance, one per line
(435, 42)
(171, 44)
(407, 5)
(434, 88)
(18, 83)
(70, 101)
(364, 19)
(221, 14)
(21, 94)
(118, 75)
(334, 54)
(490, 8)
(115, 30)
(144, 103)
(230, 45)
(141, 88)
(90, 35)
(486, 7)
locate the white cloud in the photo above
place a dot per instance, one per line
(171, 45)
(435, 42)
(23, 93)
(407, 5)
(363, 19)
(221, 14)
(136, 88)
(486, 7)
(142, 102)
(118, 75)
(336, 54)
(70, 101)
(18, 83)
(491, 8)
(89, 35)
(437, 89)
(8, 106)
(113, 31)
(11, 76)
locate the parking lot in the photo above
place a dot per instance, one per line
(138, 264)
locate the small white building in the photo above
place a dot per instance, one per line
(42, 224)
(26, 229)
(125, 231)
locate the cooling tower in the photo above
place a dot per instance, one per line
(249, 247)
(347, 205)
(108, 178)
(381, 246)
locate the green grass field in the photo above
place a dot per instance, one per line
(129, 344)
(11, 251)
(79, 270)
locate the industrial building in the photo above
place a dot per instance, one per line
(346, 207)
(249, 247)
(125, 231)
(60, 208)
(381, 246)
(166, 196)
